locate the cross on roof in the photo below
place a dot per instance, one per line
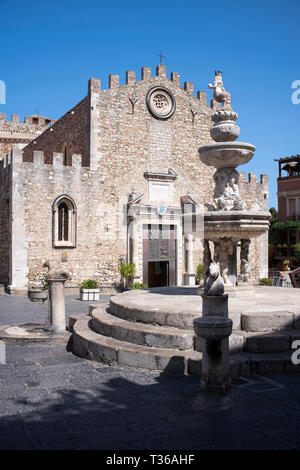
(161, 57)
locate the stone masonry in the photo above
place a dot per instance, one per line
(15, 133)
(96, 154)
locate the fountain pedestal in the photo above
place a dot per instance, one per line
(214, 327)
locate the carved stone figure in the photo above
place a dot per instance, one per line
(225, 277)
(56, 273)
(245, 265)
(220, 94)
(226, 193)
(214, 284)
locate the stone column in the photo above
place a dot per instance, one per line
(189, 274)
(57, 318)
(245, 265)
(134, 243)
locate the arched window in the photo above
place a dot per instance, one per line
(64, 222)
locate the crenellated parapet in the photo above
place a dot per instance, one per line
(14, 160)
(255, 191)
(146, 75)
(14, 132)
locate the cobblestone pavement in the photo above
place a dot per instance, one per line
(16, 309)
(51, 399)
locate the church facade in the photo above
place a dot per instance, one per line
(111, 182)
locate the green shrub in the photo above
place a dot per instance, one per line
(266, 282)
(127, 271)
(286, 261)
(46, 284)
(139, 285)
(89, 284)
(199, 272)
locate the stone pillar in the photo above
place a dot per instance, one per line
(189, 274)
(18, 253)
(94, 155)
(57, 318)
(134, 243)
(245, 265)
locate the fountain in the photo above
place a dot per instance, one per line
(228, 224)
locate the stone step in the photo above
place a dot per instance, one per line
(267, 342)
(91, 345)
(138, 333)
(267, 321)
(156, 316)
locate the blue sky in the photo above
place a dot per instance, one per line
(49, 50)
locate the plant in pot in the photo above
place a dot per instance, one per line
(39, 294)
(139, 285)
(89, 290)
(127, 271)
(199, 273)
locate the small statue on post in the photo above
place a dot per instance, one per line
(220, 94)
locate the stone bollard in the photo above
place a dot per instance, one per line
(56, 303)
(215, 328)
(57, 318)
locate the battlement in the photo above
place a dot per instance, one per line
(161, 71)
(15, 157)
(252, 179)
(34, 120)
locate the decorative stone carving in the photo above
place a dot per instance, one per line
(214, 284)
(225, 250)
(226, 154)
(220, 94)
(245, 265)
(161, 102)
(224, 129)
(226, 194)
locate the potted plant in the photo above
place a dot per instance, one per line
(89, 290)
(199, 273)
(139, 285)
(39, 294)
(127, 271)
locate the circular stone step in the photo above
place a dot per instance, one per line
(91, 345)
(144, 334)
(267, 321)
(160, 309)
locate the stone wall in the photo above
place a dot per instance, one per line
(5, 234)
(14, 132)
(70, 132)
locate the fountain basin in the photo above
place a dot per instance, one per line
(213, 327)
(226, 154)
(235, 224)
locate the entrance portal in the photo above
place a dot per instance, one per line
(159, 255)
(158, 273)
